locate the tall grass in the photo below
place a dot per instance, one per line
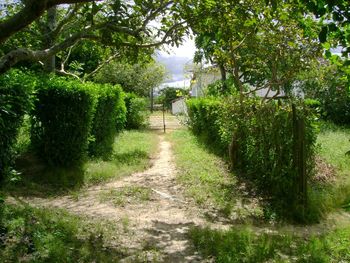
(334, 195)
(244, 245)
(38, 235)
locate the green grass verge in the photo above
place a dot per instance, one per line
(333, 145)
(243, 245)
(132, 152)
(40, 235)
(204, 174)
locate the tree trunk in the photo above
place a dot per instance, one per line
(223, 77)
(50, 62)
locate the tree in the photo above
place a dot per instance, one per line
(262, 46)
(139, 78)
(112, 23)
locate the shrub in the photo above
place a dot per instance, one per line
(137, 112)
(15, 101)
(336, 104)
(263, 145)
(204, 114)
(107, 121)
(61, 120)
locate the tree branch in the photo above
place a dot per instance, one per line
(32, 10)
(66, 19)
(164, 40)
(22, 54)
(101, 66)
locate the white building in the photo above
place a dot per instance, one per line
(178, 106)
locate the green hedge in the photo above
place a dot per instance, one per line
(137, 112)
(204, 114)
(261, 142)
(108, 119)
(15, 101)
(62, 119)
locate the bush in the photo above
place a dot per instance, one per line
(61, 120)
(204, 114)
(108, 120)
(263, 145)
(15, 101)
(336, 104)
(137, 112)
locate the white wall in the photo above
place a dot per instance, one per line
(179, 106)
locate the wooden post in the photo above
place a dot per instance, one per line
(299, 160)
(152, 99)
(164, 117)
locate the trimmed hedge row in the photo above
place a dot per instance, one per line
(62, 119)
(108, 119)
(204, 114)
(137, 112)
(260, 139)
(15, 101)
(71, 119)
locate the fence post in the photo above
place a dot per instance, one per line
(164, 117)
(299, 159)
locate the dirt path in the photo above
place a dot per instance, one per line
(160, 222)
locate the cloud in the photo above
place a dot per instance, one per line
(175, 59)
(175, 66)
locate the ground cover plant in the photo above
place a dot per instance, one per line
(42, 235)
(245, 245)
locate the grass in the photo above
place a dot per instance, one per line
(132, 152)
(205, 175)
(41, 235)
(125, 195)
(333, 145)
(245, 245)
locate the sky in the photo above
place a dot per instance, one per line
(174, 60)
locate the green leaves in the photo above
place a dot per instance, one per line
(15, 101)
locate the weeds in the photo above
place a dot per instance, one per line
(125, 195)
(243, 245)
(38, 235)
